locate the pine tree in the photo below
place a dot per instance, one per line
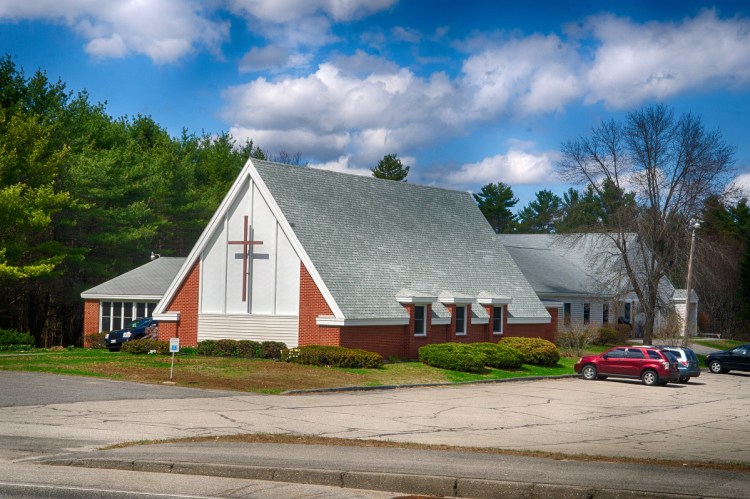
(391, 168)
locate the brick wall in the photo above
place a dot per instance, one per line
(545, 331)
(90, 319)
(311, 305)
(185, 302)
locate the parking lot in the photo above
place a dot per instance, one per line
(707, 419)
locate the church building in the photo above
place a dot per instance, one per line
(306, 256)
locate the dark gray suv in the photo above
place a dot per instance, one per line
(687, 362)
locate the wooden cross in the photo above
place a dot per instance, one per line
(245, 253)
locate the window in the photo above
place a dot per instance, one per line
(419, 320)
(617, 353)
(497, 320)
(106, 316)
(605, 313)
(653, 355)
(586, 313)
(635, 354)
(460, 320)
(117, 315)
(566, 314)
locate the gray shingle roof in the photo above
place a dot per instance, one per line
(370, 238)
(149, 280)
(575, 264)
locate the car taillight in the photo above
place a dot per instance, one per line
(684, 362)
(665, 364)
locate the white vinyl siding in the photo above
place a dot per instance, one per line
(596, 312)
(273, 267)
(249, 327)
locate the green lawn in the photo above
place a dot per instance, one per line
(251, 375)
(720, 344)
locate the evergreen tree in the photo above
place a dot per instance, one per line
(391, 168)
(542, 214)
(495, 201)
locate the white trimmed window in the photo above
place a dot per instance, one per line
(115, 315)
(460, 320)
(605, 313)
(497, 320)
(420, 320)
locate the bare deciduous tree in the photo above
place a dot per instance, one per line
(671, 165)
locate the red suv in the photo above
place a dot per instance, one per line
(649, 364)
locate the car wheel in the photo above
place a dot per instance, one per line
(715, 367)
(589, 372)
(685, 379)
(650, 378)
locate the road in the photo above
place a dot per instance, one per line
(59, 417)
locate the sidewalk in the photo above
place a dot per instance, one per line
(434, 473)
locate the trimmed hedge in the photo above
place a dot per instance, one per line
(243, 348)
(499, 356)
(10, 339)
(145, 345)
(322, 355)
(535, 350)
(453, 356)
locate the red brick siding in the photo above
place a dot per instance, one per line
(545, 331)
(90, 319)
(185, 302)
(311, 305)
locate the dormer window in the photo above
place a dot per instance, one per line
(460, 320)
(420, 320)
(497, 320)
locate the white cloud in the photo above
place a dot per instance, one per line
(163, 30)
(515, 167)
(530, 75)
(638, 62)
(283, 11)
(258, 59)
(341, 165)
(379, 113)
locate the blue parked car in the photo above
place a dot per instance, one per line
(142, 328)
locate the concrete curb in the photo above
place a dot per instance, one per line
(440, 486)
(425, 385)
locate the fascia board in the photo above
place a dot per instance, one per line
(552, 304)
(417, 299)
(529, 320)
(167, 317)
(495, 300)
(341, 322)
(479, 320)
(443, 321)
(100, 296)
(453, 300)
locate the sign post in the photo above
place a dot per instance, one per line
(174, 347)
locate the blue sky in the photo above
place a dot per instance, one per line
(466, 92)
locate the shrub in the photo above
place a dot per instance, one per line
(535, 350)
(453, 356)
(207, 348)
(226, 348)
(10, 339)
(499, 356)
(188, 350)
(96, 341)
(320, 355)
(577, 338)
(248, 348)
(145, 345)
(605, 336)
(271, 349)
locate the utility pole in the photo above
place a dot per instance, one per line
(686, 330)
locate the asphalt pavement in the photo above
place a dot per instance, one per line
(65, 419)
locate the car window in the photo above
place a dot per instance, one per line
(652, 354)
(691, 355)
(617, 353)
(740, 350)
(678, 354)
(635, 354)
